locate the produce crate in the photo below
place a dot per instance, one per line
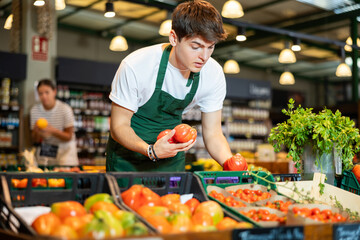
(225, 179)
(350, 183)
(78, 186)
(164, 183)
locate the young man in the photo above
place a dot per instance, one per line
(155, 85)
(57, 145)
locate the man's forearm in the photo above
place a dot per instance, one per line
(218, 148)
(127, 137)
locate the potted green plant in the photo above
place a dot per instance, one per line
(324, 132)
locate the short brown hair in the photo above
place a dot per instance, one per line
(198, 18)
(46, 82)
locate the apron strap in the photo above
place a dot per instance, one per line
(163, 66)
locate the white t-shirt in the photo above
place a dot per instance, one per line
(61, 116)
(135, 80)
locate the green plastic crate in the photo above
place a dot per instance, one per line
(350, 183)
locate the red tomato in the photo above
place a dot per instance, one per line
(160, 223)
(236, 163)
(148, 197)
(202, 218)
(184, 133)
(38, 182)
(356, 171)
(165, 132)
(180, 223)
(68, 208)
(64, 232)
(77, 222)
(131, 197)
(19, 183)
(55, 182)
(180, 209)
(46, 223)
(106, 206)
(192, 204)
(169, 199)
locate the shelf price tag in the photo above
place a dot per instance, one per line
(4, 107)
(346, 231)
(284, 233)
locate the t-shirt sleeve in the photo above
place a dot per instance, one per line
(69, 118)
(213, 100)
(124, 88)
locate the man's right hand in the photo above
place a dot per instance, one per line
(164, 149)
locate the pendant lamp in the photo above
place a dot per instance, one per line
(343, 70)
(8, 22)
(287, 78)
(231, 67)
(232, 9)
(287, 55)
(296, 45)
(241, 37)
(349, 42)
(165, 28)
(39, 3)
(109, 10)
(118, 44)
(60, 4)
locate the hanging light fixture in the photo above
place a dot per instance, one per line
(109, 9)
(232, 9)
(165, 28)
(118, 43)
(287, 55)
(8, 22)
(349, 42)
(60, 4)
(231, 67)
(343, 70)
(39, 3)
(296, 45)
(287, 78)
(241, 37)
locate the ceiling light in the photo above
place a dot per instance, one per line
(287, 55)
(343, 70)
(8, 22)
(232, 9)
(60, 4)
(349, 42)
(241, 37)
(287, 78)
(231, 67)
(118, 44)
(109, 10)
(39, 3)
(296, 45)
(165, 28)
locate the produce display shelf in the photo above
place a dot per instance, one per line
(78, 186)
(164, 183)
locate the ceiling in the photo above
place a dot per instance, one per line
(322, 26)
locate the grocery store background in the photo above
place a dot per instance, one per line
(71, 45)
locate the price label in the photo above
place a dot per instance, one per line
(279, 233)
(4, 107)
(346, 231)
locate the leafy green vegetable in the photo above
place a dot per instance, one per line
(322, 130)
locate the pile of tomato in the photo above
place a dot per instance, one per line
(263, 215)
(229, 201)
(38, 182)
(249, 195)
(169, 215)
(279, 205)
(316, 214)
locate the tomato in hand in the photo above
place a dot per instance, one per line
(184, 133)
(165, 132)
(356, 171)
(236, 163)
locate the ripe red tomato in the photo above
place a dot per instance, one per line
(38, 182)
(192, 204)
(150, 198)
(46, 223)
(165, 132)
(356, 171)
(19, 183)
(184, 133)
(64, 232)
(170, 199)
(236, 163)
(106, 206)
(131, 197)
(68, 208)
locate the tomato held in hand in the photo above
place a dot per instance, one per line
(236, 163)
(184, 133)
(165, 132)
(356, 171)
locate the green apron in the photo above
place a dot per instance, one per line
(161, 112)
